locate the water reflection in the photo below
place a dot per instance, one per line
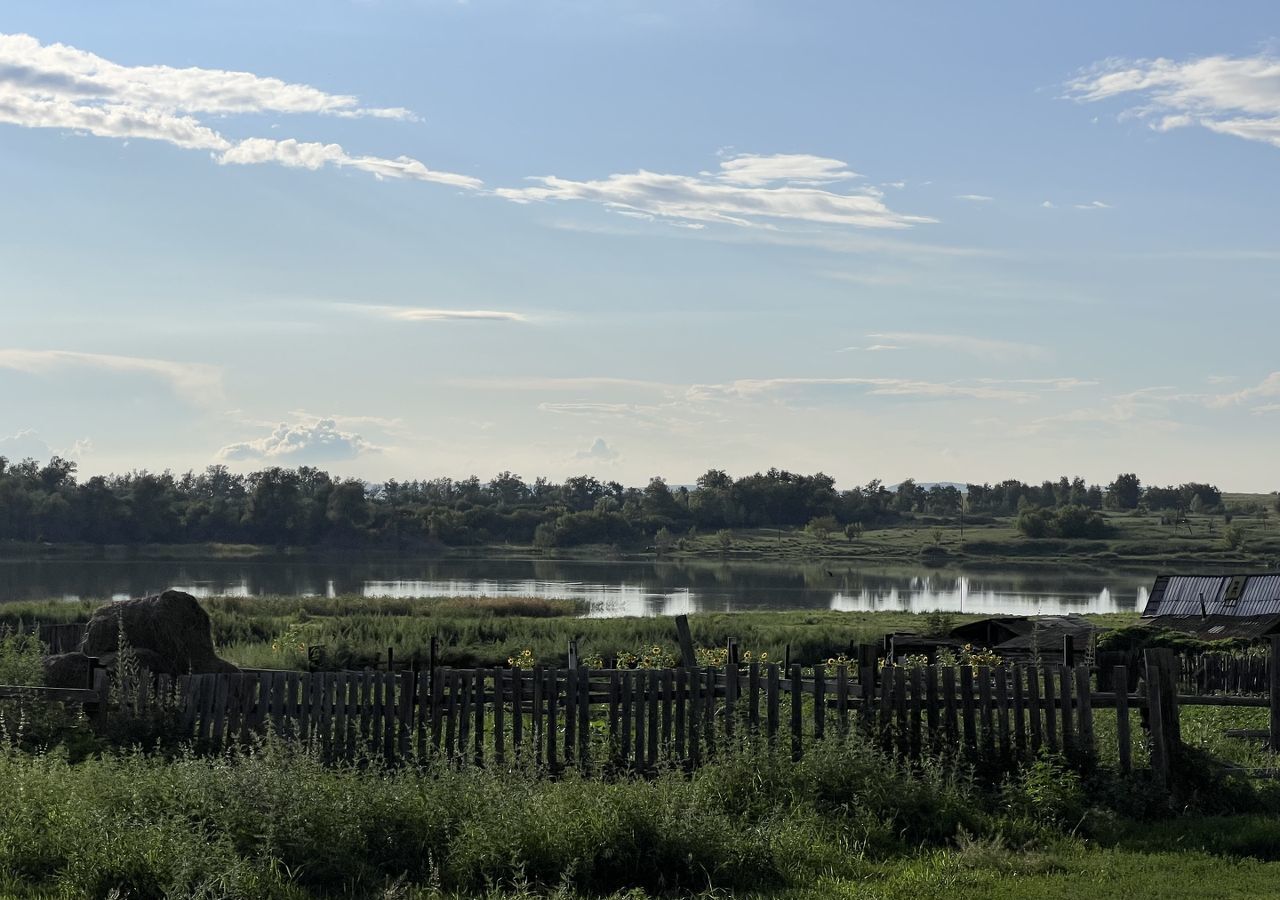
(604, 588)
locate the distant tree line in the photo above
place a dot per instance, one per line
(308, 507)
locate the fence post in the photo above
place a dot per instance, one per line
(1068, 651)
(1162, 711)
(688, 658)
(1274, 690)
(573, 654)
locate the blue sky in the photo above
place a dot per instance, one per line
(949, 241)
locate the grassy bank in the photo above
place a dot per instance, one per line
(1136, 539)
(275, 632)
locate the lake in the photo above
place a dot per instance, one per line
(605, 588)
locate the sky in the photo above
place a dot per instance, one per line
(418, 238)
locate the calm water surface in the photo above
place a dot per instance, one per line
(605, 588)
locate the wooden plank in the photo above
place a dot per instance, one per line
(553, 717)
(932, 712)
(628, 692)
(695, 716)
(797, 708)
(682, 687)
(730, 697)
(753, 697)
(819, 703)
(222, 683)
(638, 708)
(867, 699)
(1120, 679)
(366, 707)
(407, 692)
(915, 715)
(1034, 710)
(1019, 711)
(584, 718)
(1050, 710)
(900, 725)
(1084, 710)
(773, 689)
(426, 713)
(684, 638)
(333, 711)
(1155, 719)
(615, 723)
(454, 685)
(988, 713)
(1001, 675)
(517, 713)
(966, 709)
(538, 721)
(952, 725)
(668, 691)
(709, 710)
(499, 719)
(651, 751)
(1065, 710)
(886, 709)
(466, 697)
(842, 699)
(570, 717)
(478, 711)
(209, 689)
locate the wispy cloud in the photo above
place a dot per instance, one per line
(976, 198)
(1093, 204)
(749, 388)
(429, 314)
(974, 346)
(1267, 388)
(305, 442)
(748, 190)
(1239, 96)
(63, 87)
(194, 381)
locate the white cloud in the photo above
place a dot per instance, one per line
(976, 198)
(748, 190)
(26, 444)
(194, 381)
(58, 86)
(426, 314)
(984, 347)
(318, 440)
(599, 451)
(752, 170)
(1238, 96)
(1093, 204)
(1048, 204)
(1222, 379)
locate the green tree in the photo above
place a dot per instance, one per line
(1124, 493)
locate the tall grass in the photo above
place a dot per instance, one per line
(267, 632)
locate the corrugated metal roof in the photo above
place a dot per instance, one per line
(1181, 595)
(1260, 597)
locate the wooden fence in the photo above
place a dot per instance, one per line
(640, 719)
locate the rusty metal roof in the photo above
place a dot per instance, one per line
(1217, 628)
(1237, 594)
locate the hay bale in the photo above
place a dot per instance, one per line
(168, 632)
(66, 670)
